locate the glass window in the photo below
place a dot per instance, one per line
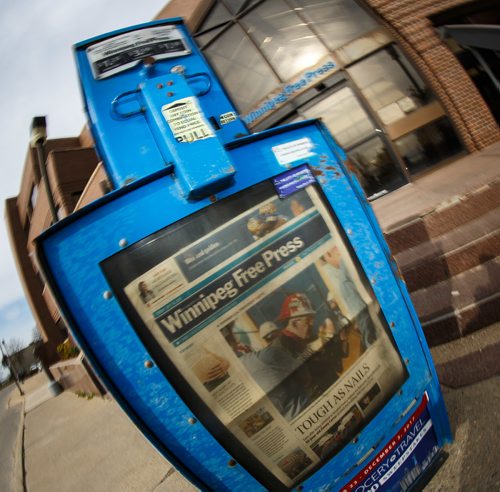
(286, 41)
(235, 6)
(390, 84)
(242, 69)
(33, 196)
(205, 38)
(374, 167)
(60, 213)
(218, 15)
(336, 21)
(343, 115)
(428, 145)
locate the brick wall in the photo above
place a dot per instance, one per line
(408, 21)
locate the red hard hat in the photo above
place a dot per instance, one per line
(295, 305)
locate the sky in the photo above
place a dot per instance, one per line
(38, 77)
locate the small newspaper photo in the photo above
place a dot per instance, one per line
(272, 323)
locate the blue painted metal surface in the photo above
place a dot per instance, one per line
(127, 77)
(71, 252)
(183, 134)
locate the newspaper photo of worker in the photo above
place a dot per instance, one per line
(299, 354)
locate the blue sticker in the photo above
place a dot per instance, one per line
(293, 180)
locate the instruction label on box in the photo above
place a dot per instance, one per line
(119, 53)
(186, 121)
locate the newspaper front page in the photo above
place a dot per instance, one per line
(272, 323)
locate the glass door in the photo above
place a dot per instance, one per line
(365, 144)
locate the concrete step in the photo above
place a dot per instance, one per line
(452, 253)
(450, 214)
(470, 359)
(460, 305)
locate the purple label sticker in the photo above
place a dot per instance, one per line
(293, 180)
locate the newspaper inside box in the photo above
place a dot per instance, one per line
(257, 311)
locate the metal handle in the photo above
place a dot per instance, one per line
(115, 103)
(208, 81)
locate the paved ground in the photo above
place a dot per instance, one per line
(74, 444)
(11, 428)
(474, 457)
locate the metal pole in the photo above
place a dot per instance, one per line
(11, 367)
(38, 137)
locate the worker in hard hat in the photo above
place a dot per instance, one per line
(279, 368)
(298, 314)
(268, 331)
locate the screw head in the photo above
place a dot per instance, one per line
(192, 420)
(122, 242)
(107, 294)
(148, 364)
(149, 61)
(178, 69)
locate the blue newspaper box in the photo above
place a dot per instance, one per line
(253, 326)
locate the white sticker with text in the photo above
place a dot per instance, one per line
(293, 151)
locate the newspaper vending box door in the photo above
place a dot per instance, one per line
(259, 335)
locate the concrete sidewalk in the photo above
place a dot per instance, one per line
(73, 444)
(474, 456)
